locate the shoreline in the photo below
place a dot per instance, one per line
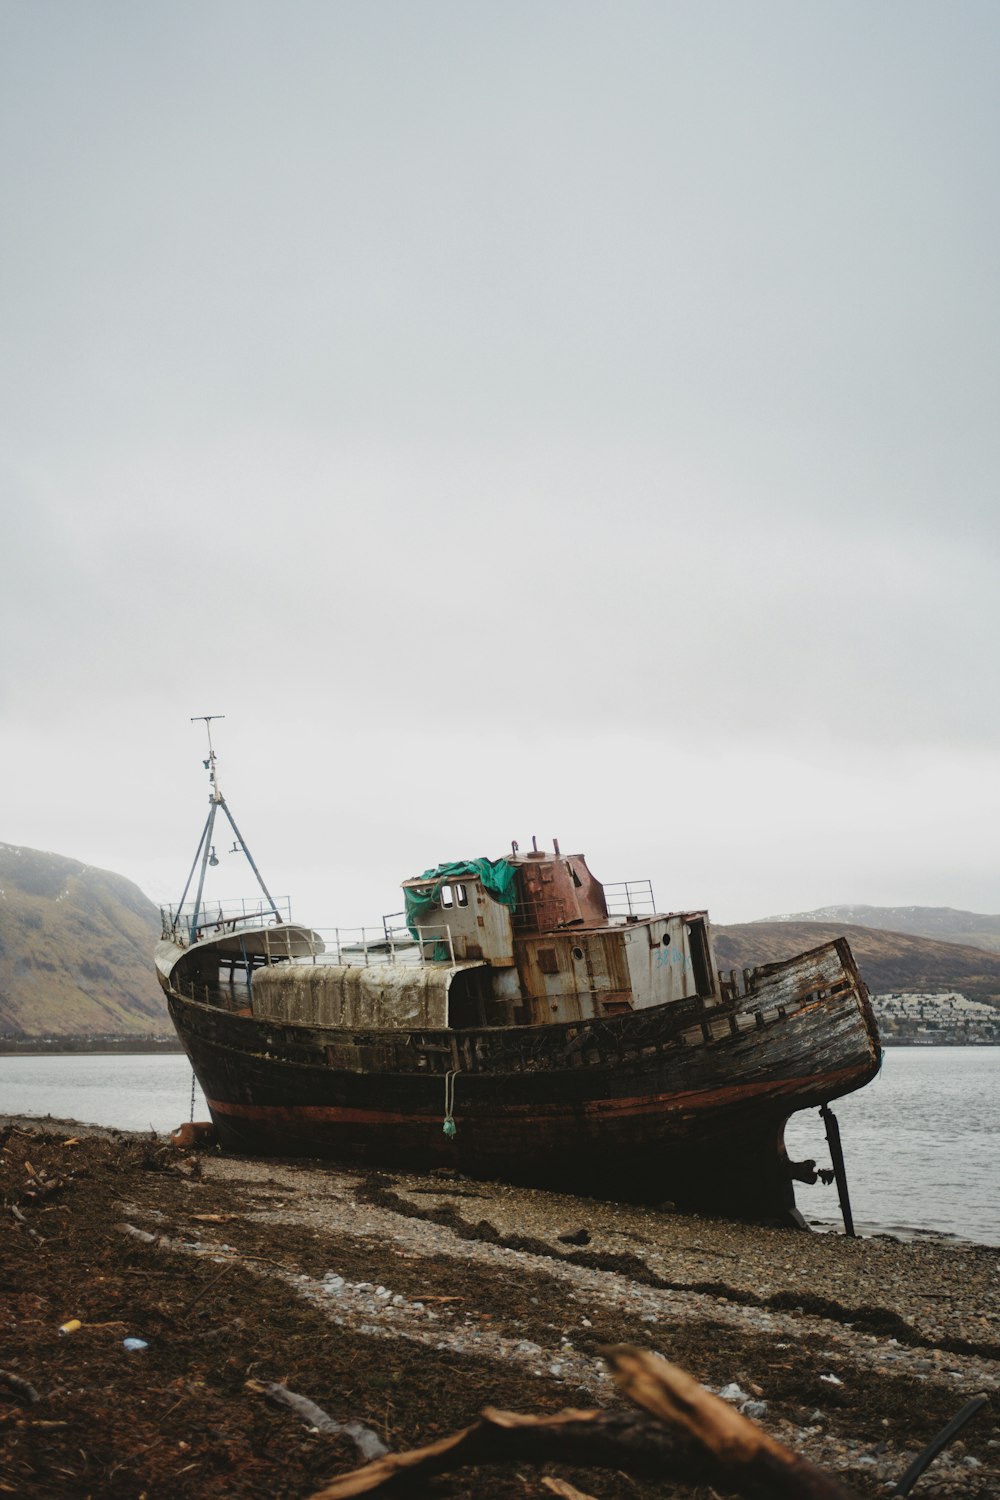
(865, 1229)
(417, 1299)
(35, 1048)
(171, 1046)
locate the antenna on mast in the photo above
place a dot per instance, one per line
(210, 765)
(206, 849)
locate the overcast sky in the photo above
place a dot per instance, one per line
(516, 418)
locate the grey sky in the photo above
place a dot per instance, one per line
(516, 418)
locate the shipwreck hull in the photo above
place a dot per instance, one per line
(683, 1102)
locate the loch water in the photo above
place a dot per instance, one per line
(921, 1143)
(126, 1091)
(921, 1146)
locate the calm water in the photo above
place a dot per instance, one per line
(922, 1143)
(132, 1092)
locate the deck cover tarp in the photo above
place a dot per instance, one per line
(386, 997)
(498, 878)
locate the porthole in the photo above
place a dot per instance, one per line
(578, 954)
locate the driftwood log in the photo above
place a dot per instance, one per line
(683, 1433)
(21, 1387)
(368, 1443)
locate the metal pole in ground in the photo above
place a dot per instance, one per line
(839, 1171)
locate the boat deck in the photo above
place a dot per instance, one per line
(711, 1025)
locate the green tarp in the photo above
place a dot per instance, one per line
(497, 876)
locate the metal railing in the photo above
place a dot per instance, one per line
(277, 939)
(358, 947)
(227, 915)
(630, 898)
(624, 899)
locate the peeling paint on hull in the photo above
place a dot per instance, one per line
(687, 1116)
(537, 1027)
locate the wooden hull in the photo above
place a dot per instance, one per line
(680, 1102)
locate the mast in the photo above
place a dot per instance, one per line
(205, 853)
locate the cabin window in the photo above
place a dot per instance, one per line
(446, 898)
(461, 896)
(578, 954)
(548, 963)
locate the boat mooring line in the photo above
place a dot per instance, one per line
(449, 1127)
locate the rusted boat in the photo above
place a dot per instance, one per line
(523, 1022)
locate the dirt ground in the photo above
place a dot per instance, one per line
(394, 1302)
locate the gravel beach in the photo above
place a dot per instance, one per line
(407, 1303)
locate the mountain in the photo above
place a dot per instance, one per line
(943, 923)
(76, 950)
(889, 961)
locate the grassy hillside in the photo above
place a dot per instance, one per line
(945, 924)
(76, 948)
(889, 961)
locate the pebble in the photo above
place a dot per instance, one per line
(941, 1291)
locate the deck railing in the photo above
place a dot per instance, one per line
(279, 940)
(226, 915)
(357, 947)
(630, 898)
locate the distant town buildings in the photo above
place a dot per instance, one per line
(945, 1019)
